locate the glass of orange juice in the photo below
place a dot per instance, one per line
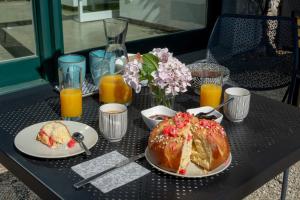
(211, 88)
(113, 89)
(70, 83)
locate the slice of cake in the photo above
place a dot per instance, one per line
(210, 145)
(55, 133)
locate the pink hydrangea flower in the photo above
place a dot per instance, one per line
(162, 54)
(172, 76)
(131, 75)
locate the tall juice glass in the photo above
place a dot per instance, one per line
(211, 89)
(70, 83)
(113, 89)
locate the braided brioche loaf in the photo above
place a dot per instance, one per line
(177, 141)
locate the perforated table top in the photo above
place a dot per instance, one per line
(262, 146)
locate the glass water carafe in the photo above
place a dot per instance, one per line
(116, 53)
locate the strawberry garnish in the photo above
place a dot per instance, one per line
(71, 143)
(51, 142)
(182, 171)
(42, 133)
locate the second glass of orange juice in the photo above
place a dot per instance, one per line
(113, 89)
(211, 89)
(70, 82)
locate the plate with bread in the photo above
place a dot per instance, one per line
(53, 139)
(187, 146)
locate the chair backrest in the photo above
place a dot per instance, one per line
(260, 51)
(298, 28)
(294, 94)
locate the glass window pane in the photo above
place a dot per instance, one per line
(16, 29)
(83, 27)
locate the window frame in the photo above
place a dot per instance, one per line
(30, 68)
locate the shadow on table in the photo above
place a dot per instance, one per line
(53, 103)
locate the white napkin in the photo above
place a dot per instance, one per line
(112, 179)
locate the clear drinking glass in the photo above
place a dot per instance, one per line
(116, 53)
(70, 84)
(211, 88)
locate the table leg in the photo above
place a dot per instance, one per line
(284, 184)
(285, 95)
(293, 96)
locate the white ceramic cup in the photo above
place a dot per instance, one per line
(237, 110)
(113, 121)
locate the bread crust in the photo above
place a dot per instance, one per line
(166, 151)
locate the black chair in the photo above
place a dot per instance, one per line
(261, 53)
(296, 15)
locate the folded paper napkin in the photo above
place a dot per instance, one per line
(112, 179)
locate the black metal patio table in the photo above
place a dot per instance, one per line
(262, 146)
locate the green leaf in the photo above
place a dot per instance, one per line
(150, 60)
(150, 64)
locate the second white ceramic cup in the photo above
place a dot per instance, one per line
(237, 110)
(113, 121)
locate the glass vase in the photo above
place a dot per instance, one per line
(159, 97)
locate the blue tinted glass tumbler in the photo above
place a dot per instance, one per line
(66, 61)
(99, 66)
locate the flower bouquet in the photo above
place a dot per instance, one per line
(165, 75)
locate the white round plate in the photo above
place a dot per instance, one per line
(192, 171)
(26, 141)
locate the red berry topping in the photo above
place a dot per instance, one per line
(42, 133)
(181, 119)
(166, 130)
(189, 137)
(182, 171)
(71, 143)
(170, 131)
(205, 123)
(51, 142)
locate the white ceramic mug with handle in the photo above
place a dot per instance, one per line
(237, 110)
(113, 121)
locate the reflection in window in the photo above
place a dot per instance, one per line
(16, 29)
(83, 27)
